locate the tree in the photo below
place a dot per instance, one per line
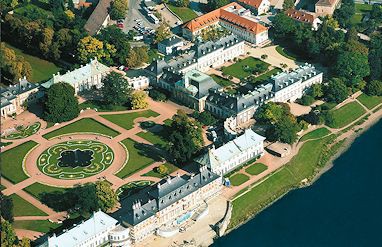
(106, 196)
(46, 41)
(25, 242)
(335, 90)
(163, 32)
(353, 66)
(306, 100)
(316, 91)
(139, 100)
(86, 198)
(205, 118)
(375, 57)
(116, 89)
(185, 137)
(374, 88)
(13, 67)
(157, 95)
(137, 56)
(288, 4)
(344, 13)
(118, 9)
(61, 104)
(283, 25)
(271, 112)
(8, 236)
(90, 47)
(6, 203)
(215, 4)
(286, 130)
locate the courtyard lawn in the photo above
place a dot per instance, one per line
(302, 166)
(346, 114)
(238, 179)
(101, 107)
(360, 11)
(23, 132)
(264, 77)
(22, 207)
(126, 120)
(41, 69)
(43, 226)
(156, 138)
(370, 101)
(85, 125)
(38, 189)
(286, 53)
(184, 13)
(171, 168)
(256, 169)
(12, 162)
(221, 81)
(237, 69)
(138, 158)
(317, 133)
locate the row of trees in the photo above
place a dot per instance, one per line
(9, 238)
(13, 67)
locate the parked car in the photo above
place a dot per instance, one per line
(120, 25)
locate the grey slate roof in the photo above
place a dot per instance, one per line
(171, 41)
(9, 93)
(203, 48)
(147, 202)
(202, 83)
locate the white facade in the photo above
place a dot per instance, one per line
(264, 7)
(170, 45)
(139, 83)
(234, 153)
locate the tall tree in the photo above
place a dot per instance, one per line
(46, 41)
(90, 47)
(163, 32)
(215, 4)
(61, 104)
(115, 90)
(374, 87)
(375, 57)
(6, 206)
(336, 90)
(288, 4)
(353, 66)
(106, 196)
(139, 100)
(8, 236)
(118, 9)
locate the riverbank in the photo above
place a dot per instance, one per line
(332, 149)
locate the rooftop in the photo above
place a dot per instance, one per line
(99, 15)
(9, 93)
(171, 41)
(301, 15)
(253, 3)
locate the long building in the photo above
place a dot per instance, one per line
(234, 18)
(164, 207)
(326, 7)
(234, 153)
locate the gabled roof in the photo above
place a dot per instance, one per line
(254, 3)
(300, 15)
(171, 41)
(99, 15)
(242, 22)
(327, 2)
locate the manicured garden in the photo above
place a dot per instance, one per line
(139, 157)
(221, 81)
(264, 77)
(154, 137)
(184, 13)
(238, 179)
(256, 169)
(126, 120)
(12, 162)
(317, 133)
(346, 114)
(37, 189)
(155, 173)
(102, 107)
(244, 67)
(85, 125)
(41, 69)
(43, 226)
(23, 132)
(370, 101)
(22, 207)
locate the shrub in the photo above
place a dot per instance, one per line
(157, 95)
(162, 169)
(306, 100)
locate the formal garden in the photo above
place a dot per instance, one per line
(22, 132)
(126, 120)
(75, 159)
(243, 68)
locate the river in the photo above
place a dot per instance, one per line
(342, 208)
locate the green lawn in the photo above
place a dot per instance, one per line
(101, 107)
(256, 169)
(37, 189)
(317, 133)
(41, 69)
(264, 77)
(221, 81)
(286, 53)
(43, 226)
(238, 179)
(171, 168)
(184, 13)
(360, 11)
(126, 120)
(346, 114)
(369, 101)
(85, 125)
(22, 207)
(154, 138)
(12, 162)
(237, 69)
(302, 166)
(139, 157)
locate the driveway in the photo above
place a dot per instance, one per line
(167, 16)
(136, 12)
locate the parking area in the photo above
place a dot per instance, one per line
(135, 15)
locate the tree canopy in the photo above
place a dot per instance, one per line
(336, 90)
(137, 56)
(374, 88)
(118, 9)
(13, 67)
(115, 90)
(138, 100)
(163, 32)
(6, 207)
(61, 104)
(106, 196)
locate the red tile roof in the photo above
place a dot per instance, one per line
(224, 15)
(300, 16)
(253, 3)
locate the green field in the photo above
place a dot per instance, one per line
(126, 120)
(238, 179)
(43, 226)
(317, 133)
(12, 162)
(23, 208)
(138, 158)
(171, 168)
(221, 81)
(370, 101)
(85, 125)
(360, 11)
(256, 169)
(184, 13)
(346, 114)
(155, 138)
(41, 69)
(237, 69)
(101, 107)
(38, 189)
(23, 132)
(302, 166)
(286, 53)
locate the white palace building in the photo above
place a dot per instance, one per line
(234, 153)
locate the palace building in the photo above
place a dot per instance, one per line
(257, 6)
(234, 18)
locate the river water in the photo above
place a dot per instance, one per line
(342, 208)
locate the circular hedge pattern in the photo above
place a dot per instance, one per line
(102, 158)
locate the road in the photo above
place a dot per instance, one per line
(135, 12)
